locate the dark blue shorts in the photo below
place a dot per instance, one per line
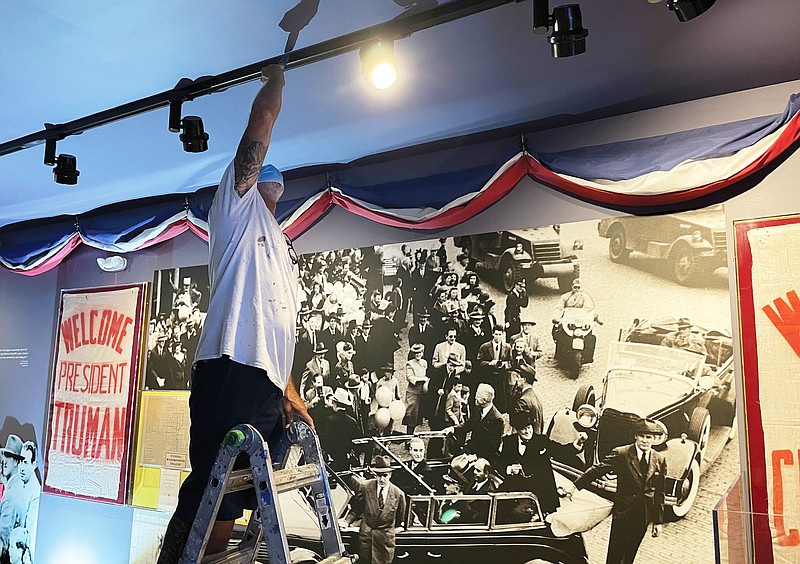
(225, 394)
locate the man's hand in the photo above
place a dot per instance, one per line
(272, 72)
(294, 406)
(578, 443)
(292, 409)
(658, 529)
(514, 469)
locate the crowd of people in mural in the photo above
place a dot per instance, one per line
(465, 373)
(174, 332)
(19, 500)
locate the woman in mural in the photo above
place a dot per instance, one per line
(417, 377)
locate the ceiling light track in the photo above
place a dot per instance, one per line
(187, 89)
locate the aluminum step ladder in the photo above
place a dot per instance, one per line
(269, 479)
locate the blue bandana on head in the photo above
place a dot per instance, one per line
(269, 173)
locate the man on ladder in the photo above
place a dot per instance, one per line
(244, 358)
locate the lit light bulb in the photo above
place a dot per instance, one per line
(377, 60)
(383, 76)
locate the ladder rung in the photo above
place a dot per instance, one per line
(234, 555)
(336, 560)
(286, 479)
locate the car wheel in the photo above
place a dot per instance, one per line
(510, 273)
(688, 493)
(584, 395)
(617, 249)
(700, 429)
(685, 266)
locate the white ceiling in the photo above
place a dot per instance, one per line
(66, 60)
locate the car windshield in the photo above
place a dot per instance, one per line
(645, 378)
(644, 393)
(654, 359)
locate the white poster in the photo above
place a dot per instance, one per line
(91, 400)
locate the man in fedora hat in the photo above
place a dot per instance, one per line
(526, 333)
(383, 508)
(639, 500)
(11, 506)
(163, 371)
(684, 339)
(333, 334)
(366, 355)
(441, 382)
(473, 335)
(337, 428)
(310, 333)
(318, 365)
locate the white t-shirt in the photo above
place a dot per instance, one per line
(253, 306)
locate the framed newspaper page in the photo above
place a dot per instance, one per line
(768, 275)
(93, 392)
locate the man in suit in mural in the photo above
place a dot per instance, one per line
(639, 501)
(242, 371)
(383, 510)
(12, 504)
(494, 358)
(485, 426)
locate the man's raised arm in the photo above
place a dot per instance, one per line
(255, 140)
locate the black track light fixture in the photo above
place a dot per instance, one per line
(569, 36)
(194, 137)
(689, 9)
(66, 166)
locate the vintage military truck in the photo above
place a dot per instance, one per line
(528, 254)
(692, 242)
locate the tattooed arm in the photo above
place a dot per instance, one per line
(255, 140)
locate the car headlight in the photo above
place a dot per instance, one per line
(660, 441)
(587, 416)
(697, 237)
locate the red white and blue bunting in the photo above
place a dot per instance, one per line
(656, 171)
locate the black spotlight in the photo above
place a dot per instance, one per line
(689, 9)
(569, 35)
(194, 138)
(66, 169)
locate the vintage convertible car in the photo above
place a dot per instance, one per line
(692, 396)
(506, 526)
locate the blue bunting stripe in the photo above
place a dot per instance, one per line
(643, 172)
